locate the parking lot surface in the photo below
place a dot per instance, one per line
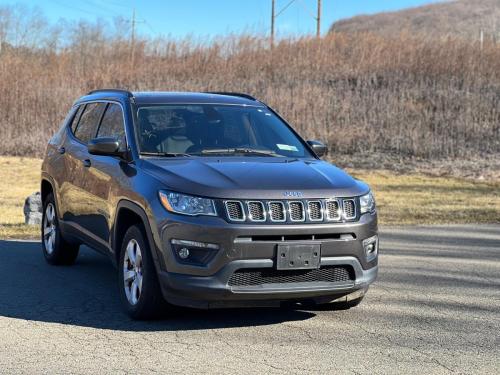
(435, 308)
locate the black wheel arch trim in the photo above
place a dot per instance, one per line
(47, 178)
(139, 211)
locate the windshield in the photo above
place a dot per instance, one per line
(215, 130)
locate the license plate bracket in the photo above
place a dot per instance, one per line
(298, 256)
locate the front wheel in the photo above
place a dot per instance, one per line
(55, 249)
(139, 288)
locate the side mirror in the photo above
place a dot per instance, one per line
(104, 146)
(319, 148)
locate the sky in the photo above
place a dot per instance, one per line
(181, 18)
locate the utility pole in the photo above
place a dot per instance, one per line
(318, 21)
(272, 21)
(132, 39)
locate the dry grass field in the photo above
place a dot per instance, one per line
(465, 18)
(401, 198)
(19, 177)
(399, 102)
(362, 93)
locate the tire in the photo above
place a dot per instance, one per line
(55, 249)
(140, 291)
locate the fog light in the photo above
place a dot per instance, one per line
(193, 252)
(183, 253)
(371, 248)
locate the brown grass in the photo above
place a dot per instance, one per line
(464, 18)
(19, 177)
(361, 93)
(401, 198)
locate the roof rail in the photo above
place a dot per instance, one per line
(238, 94)
(118, 91)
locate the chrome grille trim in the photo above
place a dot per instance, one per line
(338, 215)
(321, 210)
(261, 208)
(349, 209)
(230, 211)
(271, 216)
(291, 212)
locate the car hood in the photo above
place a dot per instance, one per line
(253, 177)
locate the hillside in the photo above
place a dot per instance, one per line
(465, 18)
(371, 98)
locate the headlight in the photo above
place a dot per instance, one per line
(367, 203)
(187, 204)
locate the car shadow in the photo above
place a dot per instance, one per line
(86, 294)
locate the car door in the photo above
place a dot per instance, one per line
(106, 175)
(79, 211)
(60, 164)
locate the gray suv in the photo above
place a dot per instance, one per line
(205, 200)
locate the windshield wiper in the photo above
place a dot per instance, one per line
(240, 150)
(165, 154)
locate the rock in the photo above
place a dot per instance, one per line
(33, 209)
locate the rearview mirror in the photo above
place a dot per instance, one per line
(319, 148)
(104, 146)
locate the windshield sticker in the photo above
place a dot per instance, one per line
(287, 147)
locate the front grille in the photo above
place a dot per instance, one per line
(277, 211)
(292, 211)
(255, 277)
(333, 210)
(315, 210)
(349, 209)
(256, 211)
(235, 211)
(296, 209)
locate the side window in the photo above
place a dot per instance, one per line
(112, 124)
(76, 117)
(89, 120)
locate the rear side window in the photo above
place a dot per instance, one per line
(112, 124)
(76, 117)
(89, 120)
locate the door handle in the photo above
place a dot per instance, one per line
(87, 163)
(61, 150)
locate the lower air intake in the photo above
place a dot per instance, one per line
(328, 274)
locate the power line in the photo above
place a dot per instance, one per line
(274, 15)
(78, 9)
(284, 8)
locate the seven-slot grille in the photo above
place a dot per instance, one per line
(317, 210)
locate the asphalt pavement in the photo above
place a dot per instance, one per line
(434, 309)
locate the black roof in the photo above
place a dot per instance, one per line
(164, 97)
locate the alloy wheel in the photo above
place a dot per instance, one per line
(132, 272)
(49, 228)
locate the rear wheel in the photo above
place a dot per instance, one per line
(139, 287)
(55, 249)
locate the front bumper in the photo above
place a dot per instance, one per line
(214, 292)
(208, 286)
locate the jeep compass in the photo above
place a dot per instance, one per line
(205, 200)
